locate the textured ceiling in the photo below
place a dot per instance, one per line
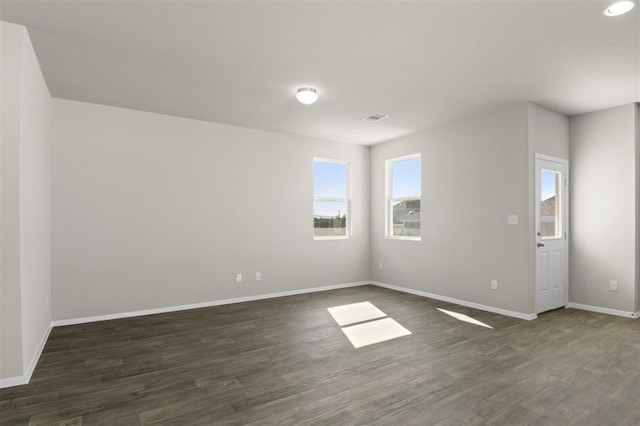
(423, 63)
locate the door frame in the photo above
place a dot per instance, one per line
(564, 207)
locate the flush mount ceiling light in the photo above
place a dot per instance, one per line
(619, 8)
(307, 95)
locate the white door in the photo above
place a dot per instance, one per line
(551, 233)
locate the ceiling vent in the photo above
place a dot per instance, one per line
(375, 117)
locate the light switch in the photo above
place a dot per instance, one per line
(512, 219)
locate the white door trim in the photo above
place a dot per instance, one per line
(565, 221)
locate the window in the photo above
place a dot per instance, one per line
(403, 197)
(331, 199)
(549, 204)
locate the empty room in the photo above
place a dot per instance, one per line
(320, 212)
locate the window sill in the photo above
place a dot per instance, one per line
(405, 238)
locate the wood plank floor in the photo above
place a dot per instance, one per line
(285, 361)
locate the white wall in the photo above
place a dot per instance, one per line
(603, 208)
(548, 132)
(25, 215)
(35, 214)
(156, 211)
(548, 135)
(11, 325)
(475, 173)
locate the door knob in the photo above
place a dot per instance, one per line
(540, 245)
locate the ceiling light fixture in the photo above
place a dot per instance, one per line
(619, 8)
(307, 95)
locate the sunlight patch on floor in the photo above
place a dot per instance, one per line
(355, 312)
(364, 324)
(372, 332)
(465, 318)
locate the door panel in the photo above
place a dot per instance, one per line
(557, 270)
(544, 270)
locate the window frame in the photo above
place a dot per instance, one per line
(347, 200)
(389, 200)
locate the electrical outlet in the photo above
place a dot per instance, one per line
(258, 276)
(238, 278)
(380, 266)
(494, 284)
(613, 285)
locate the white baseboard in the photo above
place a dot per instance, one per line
(604, 310)
(495, 310)
(36, 356)
(13, 381)
(26, 377)
(163, 310)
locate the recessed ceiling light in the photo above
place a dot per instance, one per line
(619, 8)
(307, 95)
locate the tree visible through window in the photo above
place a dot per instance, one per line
(403, 197)
(331, 199)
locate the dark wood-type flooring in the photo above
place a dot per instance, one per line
(285, 361)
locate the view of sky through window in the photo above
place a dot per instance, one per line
(547, 184)
(406, 178)
(329, 181)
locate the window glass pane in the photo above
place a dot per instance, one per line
(406, 178)
(406, 218)
(329, 218)
(549, 204)
(329, 180)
